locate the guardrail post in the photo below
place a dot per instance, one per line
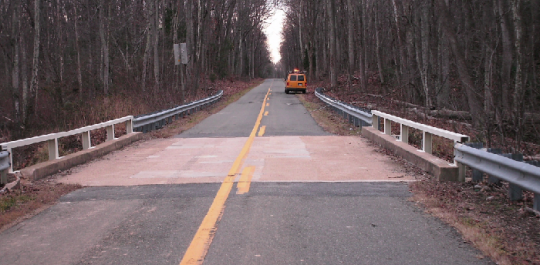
(375, 122)
(3, 177)
(10, 160)
(129, 126)
(387, 126)
(110, 133)
(86, 142)
(404, 133)
(462, 169)
(53, 149)
(536, 199)
(491, 179)
(515, 192)
(3, 172)
(477, 175)
(427, 142)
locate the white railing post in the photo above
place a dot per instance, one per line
(426, 142)
(86, 141)
(404, 133)
(375, 121)
(53, 149)
(387, 126)
(129, 126)
(110, 132)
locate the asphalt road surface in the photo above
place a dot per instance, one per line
(257, 183)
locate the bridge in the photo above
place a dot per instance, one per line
(257, 183)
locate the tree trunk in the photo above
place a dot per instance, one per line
(104, 48)
(422, 53)
(15, 74)
(506, 64)
(300, 20)
(24, 75)
(518, 89)
(443, 94)
(378, 43)
(189, 42)
(332, 39)
(79, 71)
(35, 58)
(149, 30)
(155, 34)
(361, 47)
(60, 45)
(400, 47)
(474, 104)
(350, 38)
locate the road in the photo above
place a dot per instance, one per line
(257, 183)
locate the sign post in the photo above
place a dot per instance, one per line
(176, 48)
(183, 51)
(181, 58)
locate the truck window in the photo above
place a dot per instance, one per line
(293, 78)
(300, 78)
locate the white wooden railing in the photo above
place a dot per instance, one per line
(52, 139)
(404, 125)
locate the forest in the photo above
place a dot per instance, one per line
(477, 59)
(71, 63)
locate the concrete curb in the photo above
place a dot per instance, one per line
(441, 169)
(44, 169)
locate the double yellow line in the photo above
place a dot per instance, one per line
(203, 238)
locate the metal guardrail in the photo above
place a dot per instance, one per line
(4, 166)
(427, 131)
(521, 176)
(52, 138)
(153, 121)
(516, 173)
(356, 115)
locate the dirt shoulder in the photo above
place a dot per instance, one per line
(507, 232)
(34, 197)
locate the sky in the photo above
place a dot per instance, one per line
(273, 33)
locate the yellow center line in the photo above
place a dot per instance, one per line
(266, 113)
(203, 238)
(267, 104)
(245, 181)
(261, 131)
